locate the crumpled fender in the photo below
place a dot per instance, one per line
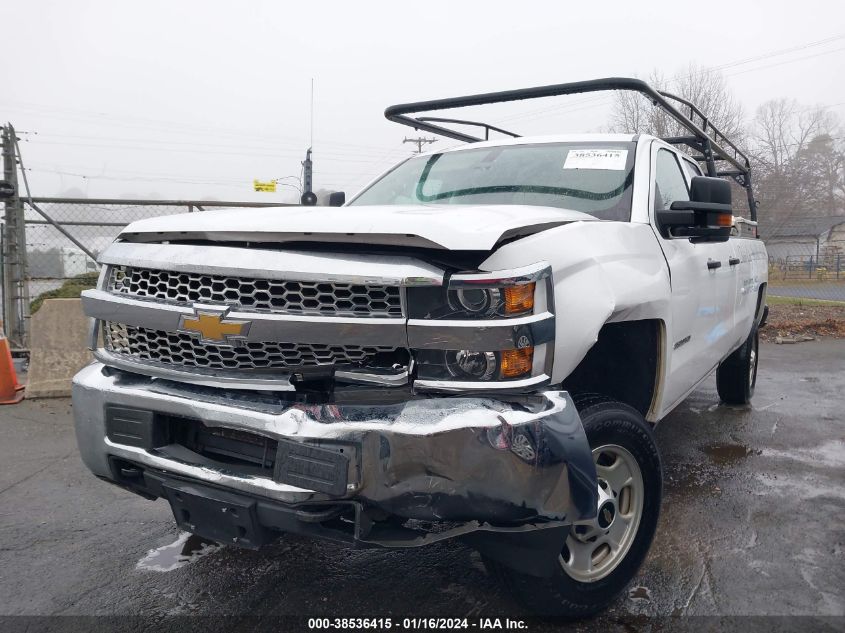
(602, 272)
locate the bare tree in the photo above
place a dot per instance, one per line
(799, 160)
(633, 113)
(822, 167)
(782, 129)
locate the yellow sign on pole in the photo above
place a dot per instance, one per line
(264, 186)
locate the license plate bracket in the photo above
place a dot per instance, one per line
(217, 516)
(312, 467)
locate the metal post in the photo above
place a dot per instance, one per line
(4, 307)
(15, 287)
(752, 201)
(308, 172)
(708, 157)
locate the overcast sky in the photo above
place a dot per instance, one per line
(194, 99)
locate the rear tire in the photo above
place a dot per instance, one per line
(736, 376)
(588, 577)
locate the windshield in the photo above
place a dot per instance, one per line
(593, 177)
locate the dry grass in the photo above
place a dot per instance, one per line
(804, 318)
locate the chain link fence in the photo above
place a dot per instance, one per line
(807, 258)
(806, 255)
(61, 235)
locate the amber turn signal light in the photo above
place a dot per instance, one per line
(519, 299)
(724, 219)
(516, 362)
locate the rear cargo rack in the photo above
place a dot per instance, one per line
(713, 146)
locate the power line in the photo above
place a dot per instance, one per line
(164, 147)
(782, 51)
(37, 137)
(174, 127)
(389, 155)
(605, 99)
(788, 61)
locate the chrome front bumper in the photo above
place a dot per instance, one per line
(436, 459)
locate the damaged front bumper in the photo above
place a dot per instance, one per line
(380, 474)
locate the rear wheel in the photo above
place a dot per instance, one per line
(599, 558)
(736, 376)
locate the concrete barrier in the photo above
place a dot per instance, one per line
(58, 342)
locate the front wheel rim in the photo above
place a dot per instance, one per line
(594, 549)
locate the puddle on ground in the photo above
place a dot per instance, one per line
(728, 453)
(186, 549)
(639, 594)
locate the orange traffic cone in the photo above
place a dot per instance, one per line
(10, 391)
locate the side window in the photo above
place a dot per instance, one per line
(669, 181)
(692, 169)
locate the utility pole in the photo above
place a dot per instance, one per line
(420, 141)
(15, 289)
(309, 198)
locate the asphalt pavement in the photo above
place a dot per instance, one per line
(753, 524)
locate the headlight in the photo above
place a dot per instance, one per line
(483, 327)
(492, 302)
(475, 301)
(482, 295)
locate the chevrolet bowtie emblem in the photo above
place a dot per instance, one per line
(213, 327)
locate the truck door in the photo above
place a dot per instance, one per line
(748, 262)
(703, 288)
(731, 296)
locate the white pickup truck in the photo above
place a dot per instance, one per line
(476, 346)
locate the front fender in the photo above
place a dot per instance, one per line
(602, 272)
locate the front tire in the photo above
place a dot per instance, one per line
(599, 560)
(736, 376)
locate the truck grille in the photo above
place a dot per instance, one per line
(260, 295)
(175, 348)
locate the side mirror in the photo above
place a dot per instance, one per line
(337, 199)
(706, 217)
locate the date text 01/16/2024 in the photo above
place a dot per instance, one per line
(412, 624)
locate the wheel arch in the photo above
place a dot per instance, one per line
(627, 363)
(760, 310)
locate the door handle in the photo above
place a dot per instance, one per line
(733, 261)
(713, 264)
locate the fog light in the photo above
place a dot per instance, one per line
(519, 299)
(475, 365)
(516, 362)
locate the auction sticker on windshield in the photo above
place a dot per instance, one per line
(596, 159)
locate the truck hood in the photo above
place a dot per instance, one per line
(452, 227)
